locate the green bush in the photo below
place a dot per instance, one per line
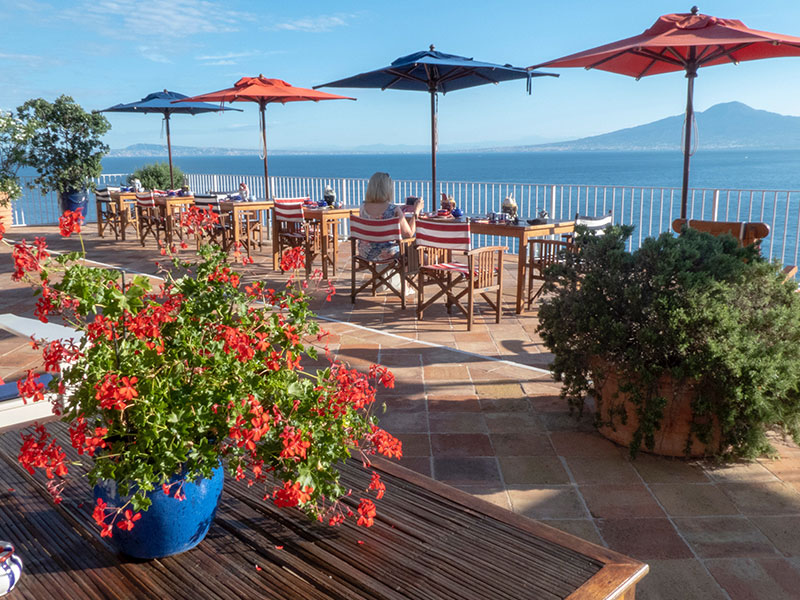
(712, 315)
(155, 176)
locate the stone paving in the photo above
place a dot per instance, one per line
(478, 410)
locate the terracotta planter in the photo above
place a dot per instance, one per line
(6, 213)
(670, 439)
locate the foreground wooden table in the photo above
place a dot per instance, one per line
(429, 541)
(522, 233)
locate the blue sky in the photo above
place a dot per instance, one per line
(103, 52)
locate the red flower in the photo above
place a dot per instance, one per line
(126, 524)
(30, 388)
(376, 484)
(115, 392)
(366, 509)
(70, 222)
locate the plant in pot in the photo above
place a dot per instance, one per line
(14, 136)
(168, 387)
(65, 148)
(156, 176)
(689, 346)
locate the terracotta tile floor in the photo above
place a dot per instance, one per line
(478, 410)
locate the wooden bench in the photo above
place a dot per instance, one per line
(746, 233)
(429, 541)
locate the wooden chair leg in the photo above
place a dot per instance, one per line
(353, 275)
(470, 304)
(420, 294)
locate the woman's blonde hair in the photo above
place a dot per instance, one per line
(380, 189)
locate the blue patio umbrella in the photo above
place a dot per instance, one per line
(433, 72)
(161, 102)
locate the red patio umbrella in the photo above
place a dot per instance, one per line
(264, 91)
(682, 42)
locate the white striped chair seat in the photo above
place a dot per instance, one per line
(375, 231)
(447, 235)
(289, 209)
(450, 266)
(104, 194)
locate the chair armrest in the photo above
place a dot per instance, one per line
(789, 271)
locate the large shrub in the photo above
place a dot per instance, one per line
(712, 315)
(155, 176)
(65, 144)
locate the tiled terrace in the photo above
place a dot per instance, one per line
(477, 410)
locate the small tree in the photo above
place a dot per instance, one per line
(155, 176)
(65, 145)
(14, 136)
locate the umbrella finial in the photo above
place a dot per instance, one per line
(694, 10)
(433, 47)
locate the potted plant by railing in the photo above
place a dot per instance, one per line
(689, 346)
(156, 176)
(169, 387)
(65, 148)
(14, 136)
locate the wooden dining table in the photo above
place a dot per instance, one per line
(327, 219)
(522, 233)
(244, 212)
(428, 541)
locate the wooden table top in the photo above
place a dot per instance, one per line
(429, 541)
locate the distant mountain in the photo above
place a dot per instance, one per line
(723, 126)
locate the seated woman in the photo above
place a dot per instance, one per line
(379, 204)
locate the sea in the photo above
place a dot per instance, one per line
(717, 169)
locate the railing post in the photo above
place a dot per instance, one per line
(715, 205)
(552, 202)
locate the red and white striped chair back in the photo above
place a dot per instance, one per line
(448, 235)
(147, 199)
(375, 231)
(289, 209)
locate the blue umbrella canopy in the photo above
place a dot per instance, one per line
(161, 102)
(434, 72)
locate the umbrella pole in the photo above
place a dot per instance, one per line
(434, 144)
(691, 74)
(263, 107)
(169, 152)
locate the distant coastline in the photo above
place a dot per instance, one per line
(727, 126)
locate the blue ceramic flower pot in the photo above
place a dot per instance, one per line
(169, 526)
(74, 200)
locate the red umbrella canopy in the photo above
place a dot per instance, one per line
(264, 91)
(682, 42)
(676, 41)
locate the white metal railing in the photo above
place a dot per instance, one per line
(650, 209)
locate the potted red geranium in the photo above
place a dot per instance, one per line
(170, 386)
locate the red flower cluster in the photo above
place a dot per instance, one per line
(39, 451)
(70, 222)
(86, 444)
(292, 495)
(225, 275)
(198, 220)
(386, 444)
(367, 512)
(293, 443)
(293, 259)
(30, 388)
(28, 259)
(114, 393)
